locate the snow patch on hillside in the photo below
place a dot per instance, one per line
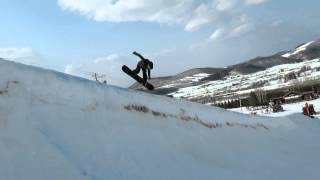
(298, 50)
(187, 79)
(195, 77)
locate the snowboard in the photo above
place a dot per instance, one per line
(136, 77)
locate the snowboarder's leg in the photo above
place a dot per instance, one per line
(137, 70)
(144, 76)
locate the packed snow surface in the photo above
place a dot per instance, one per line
(54, 126)
(288, 109)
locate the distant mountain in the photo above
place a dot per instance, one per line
(213, 82)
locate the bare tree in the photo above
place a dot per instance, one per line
(261, 95)
(99, 76)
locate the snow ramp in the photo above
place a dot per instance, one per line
(55, 126)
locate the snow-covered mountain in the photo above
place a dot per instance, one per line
(236, 85)
(55, 126)
(209, 85)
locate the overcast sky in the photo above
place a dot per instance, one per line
(81, 37)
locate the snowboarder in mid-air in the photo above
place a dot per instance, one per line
(144, 65)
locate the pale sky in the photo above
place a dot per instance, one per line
(81, 37)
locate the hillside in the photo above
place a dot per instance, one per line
(55, 126)
(222, 84)
(188, 78)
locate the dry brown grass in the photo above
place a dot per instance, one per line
(184, 117)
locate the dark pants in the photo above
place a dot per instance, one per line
(144, 72)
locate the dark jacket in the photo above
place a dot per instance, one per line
(145, 65)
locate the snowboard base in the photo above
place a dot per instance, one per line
(136, 77)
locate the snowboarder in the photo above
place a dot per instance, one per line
(308, 110)
(311, 110)
(144, 65)
(305, 109)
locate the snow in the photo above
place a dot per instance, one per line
(289, 109)
(187, 79)
(237, 84)
(56, 126)
(195, 77)
(298, 50)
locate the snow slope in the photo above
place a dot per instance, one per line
(298, 50)
(55, 126)
(235, 85)
(289, 109)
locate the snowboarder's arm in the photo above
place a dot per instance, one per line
(149, 72)
(139, 55)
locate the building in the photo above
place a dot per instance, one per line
(293, 96)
